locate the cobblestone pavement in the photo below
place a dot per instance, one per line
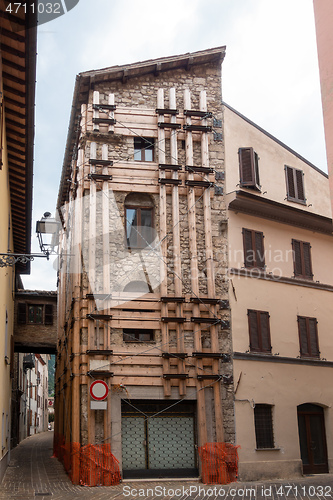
(33, 473)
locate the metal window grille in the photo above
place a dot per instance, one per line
(263, 422)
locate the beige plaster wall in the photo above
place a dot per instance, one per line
(283, 302)
(278, 246)
(6, 304)
(273, 157)
(285, 387)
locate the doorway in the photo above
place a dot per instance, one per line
(312, 438)
(158, 440)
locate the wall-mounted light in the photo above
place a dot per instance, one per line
(47, 230)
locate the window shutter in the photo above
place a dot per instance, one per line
(291, 192)
(253, 330)
(314, 348)
(295, 186)
(303, 338)
(21, 313)
(254, 253)
(248, 250)
(307, 259)
(299, 184)
(248, 168)
(260, 253)
(297, 257)
(265, 334)
(48, 314)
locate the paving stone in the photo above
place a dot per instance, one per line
(33, 471)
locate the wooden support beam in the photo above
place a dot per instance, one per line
(95, 110)
(201, 405)
(211, 274)
(163, 238)
(111, 108)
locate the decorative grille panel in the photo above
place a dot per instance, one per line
(133, 442)
(171, 443)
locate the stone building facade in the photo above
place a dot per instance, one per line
(143, 291)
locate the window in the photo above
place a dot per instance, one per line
(302, 259)
(308, 336)
(137, 335)
(249, 168)
(263, 424)
(143, 149)
(35, 314)
(295, 185)
(139, 220)
(259, 332)
(254, 253)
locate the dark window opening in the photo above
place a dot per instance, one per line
(137, 335)
(249, 168)
(263, 423)
(143, 149)
(295, 185)
(259, 331)
(21, 313)
(308, 337)
(139, 226)
(302, 259)
(254, 253)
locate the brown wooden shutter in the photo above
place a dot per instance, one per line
(265, 333)
(313, 337)
(259, 247)
(307, 259)
(302, 259)
(295, 186)
(253, 330)
(248, 248)
(21, 313)
(291, 192)
(254, 252)
(299, 184)
(303, 337)
(259, 333)
(48, 314)
(248, 168)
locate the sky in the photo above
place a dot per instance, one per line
(270, 73)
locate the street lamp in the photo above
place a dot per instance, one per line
(47, 230)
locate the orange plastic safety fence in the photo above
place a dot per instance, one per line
(219, 463)
(90, 465)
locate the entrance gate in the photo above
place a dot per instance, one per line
(157, 442)
(312, 438)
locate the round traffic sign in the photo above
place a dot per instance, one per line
(99, 390)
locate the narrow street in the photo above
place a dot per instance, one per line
(33, 473)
